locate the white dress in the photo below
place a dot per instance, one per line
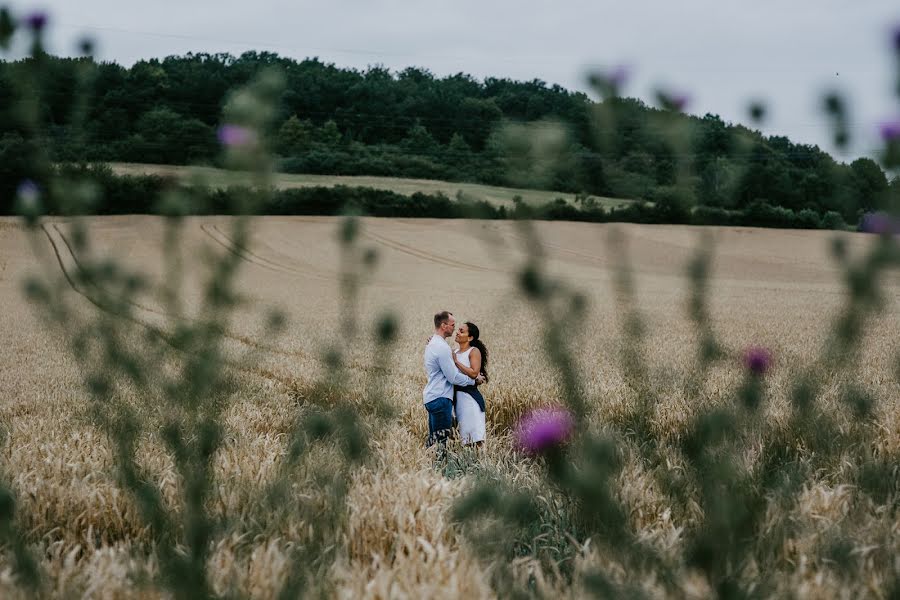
(469, 417)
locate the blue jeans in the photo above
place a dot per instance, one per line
(440, 420)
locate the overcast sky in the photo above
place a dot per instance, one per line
(722, 53)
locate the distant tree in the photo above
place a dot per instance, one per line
(419, 141)
(475, 118)
(459, 154)
(767, 177)
(870, 183)
(591, 175)
(164, 136)
(713, 145)
(329, 135)
(294, 136)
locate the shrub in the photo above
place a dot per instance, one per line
(833, 220)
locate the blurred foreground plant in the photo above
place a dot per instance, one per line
(726, 469)
(172, 377)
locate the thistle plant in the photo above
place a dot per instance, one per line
(733, 535)
(170, 380)
(14, 541)
(169, 376)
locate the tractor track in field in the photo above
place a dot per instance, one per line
(591, 259)
(249, 256)
(164, 335)
(427, 256)
(310, 273)
(156, 331)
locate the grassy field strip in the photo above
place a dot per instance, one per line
(221, 178)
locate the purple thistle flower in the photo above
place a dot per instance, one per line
(879, 223)
(28, 190)
(618, 76)
(610, 81)
(758, 360)
(890, 131)
(543, 429)
(28, 199)
(896, 38)
(234, 136)
(36, 21)
(672, 101)
(679, 102)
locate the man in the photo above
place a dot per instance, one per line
(442, 376)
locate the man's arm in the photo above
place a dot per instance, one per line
(448, 367)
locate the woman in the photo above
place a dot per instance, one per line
(471, 359)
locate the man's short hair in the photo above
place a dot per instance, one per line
(441, 318)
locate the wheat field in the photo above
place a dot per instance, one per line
(774, 288)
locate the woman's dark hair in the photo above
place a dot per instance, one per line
(476, 343)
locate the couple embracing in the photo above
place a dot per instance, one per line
(453, 380)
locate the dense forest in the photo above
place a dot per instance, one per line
(413, 124)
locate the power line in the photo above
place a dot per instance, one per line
(305, 49)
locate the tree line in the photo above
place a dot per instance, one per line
(411, 123)
(151, 194)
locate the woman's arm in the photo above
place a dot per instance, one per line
(475, 359)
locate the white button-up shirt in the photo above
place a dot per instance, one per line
(441, 371)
